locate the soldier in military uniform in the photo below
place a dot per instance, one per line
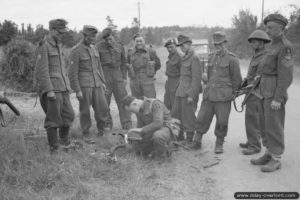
(144, 64)
(254, 110)
(153, 125)
(172, 72)
(277, 76)
(87, 80)
(188, 89)
(113, 60)
(224, 77)
(53, 85)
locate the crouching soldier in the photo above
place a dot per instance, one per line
(154, 124)
(87, 80)
(53, 85)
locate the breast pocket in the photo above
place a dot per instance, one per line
(54, 59)
(85, 60)
(223, 70)
(117, 55)
(105, 56)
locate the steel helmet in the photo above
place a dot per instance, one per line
(259, 35)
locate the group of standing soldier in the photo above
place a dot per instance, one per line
(98, 71)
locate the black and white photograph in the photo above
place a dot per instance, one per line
(149, 99)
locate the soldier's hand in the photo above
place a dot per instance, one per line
(79, 95)
(190, 100)
(125, 82)
(51, 95)
(275, 105)
(105, 89)
(138, 130)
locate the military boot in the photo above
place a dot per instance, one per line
(64, 135)
(244, 145)
(52, 140)
(262, 160)
(219, 145)
(250, 151)
(272, 166)
(197, 143)
(189, 138)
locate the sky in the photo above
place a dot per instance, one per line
(153, 12)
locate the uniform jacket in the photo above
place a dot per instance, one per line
(224, 76)
(173, 65)
(113, 56)
(152, 116)
(277, 69)
(255, 66)
(139, 59)
(190, 76)
(85, 67)
(50, 71)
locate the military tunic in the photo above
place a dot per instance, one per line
(277, 76)
(142, 84)
(173, 72)
(224, 77)
(189, 86)
(154, 118)
(50, 73)
(114, 65)
(254, 109)
(86, 75)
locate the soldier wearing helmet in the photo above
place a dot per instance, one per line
(277, 76)
(254, 110)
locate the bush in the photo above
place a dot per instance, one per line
(18, 64)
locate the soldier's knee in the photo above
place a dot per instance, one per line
(158, 137)
(222, 127)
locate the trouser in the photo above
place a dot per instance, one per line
(207, 111)
(95, 97)
(274, 127)
(170, 91)
(158, 143)
(115, 85)
(185, 112)
(142, 85)
(59, 112)
(254, 122)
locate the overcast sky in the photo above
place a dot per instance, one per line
(153, 12)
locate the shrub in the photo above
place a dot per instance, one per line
(18, 64)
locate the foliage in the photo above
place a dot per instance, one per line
(244, 24)
(18, 64)
(293, 31)
(8, 31)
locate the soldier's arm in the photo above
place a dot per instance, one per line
(123, 64)
(140, 124)
(155, 58)
(197, 68)
(235, 73)
(73, 70)
(157, 123)
(285, 67)
(42, 70)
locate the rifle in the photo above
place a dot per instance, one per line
(248, 90)
(4, 100)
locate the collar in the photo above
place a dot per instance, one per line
(189, 53)
(222, 53)
(84, 45)
(173, 54)
(51, 40)
(144, 50)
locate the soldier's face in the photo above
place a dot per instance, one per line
(90, 39)
(220, 46)
(274, 29)
(257, 44)
(110, 39)
(171, 48)
(57, 35)
(133, 107)
(139, 43)
(185, 47)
